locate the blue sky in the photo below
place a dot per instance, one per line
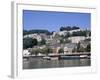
(52, 21)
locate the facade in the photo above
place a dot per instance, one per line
(77, 39)
(65, 32)
(84, 43)
(34, 36)
(26, 52)
(62, 33)
(71, 31)
(68, 48)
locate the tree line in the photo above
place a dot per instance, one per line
(62, 28)
(29, 42)
(25, 32)
(68, 28)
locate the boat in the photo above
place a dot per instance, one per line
(70, 57)
(83, 56)
(50, 58)
(47, 58)
(54, 58)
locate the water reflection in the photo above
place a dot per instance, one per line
(34, 63)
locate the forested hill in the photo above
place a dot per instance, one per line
(25, 32)
(63, 28)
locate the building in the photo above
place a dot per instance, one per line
(55, 47)
(26, 52)
(65, 32)
(76, 39)
(69, 47)
(84, 43)
(71, 31)
(34, 36)
(53, 41)
(62, 33)
(39, 47)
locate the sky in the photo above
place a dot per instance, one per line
(52, 21)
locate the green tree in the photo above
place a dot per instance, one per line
(78, 47)
(67, 41)
(88, 48)
(47, 50)
(74, 50)
(68, 28)
(35, 51)
(43, 42)
(61, 50)
(61, 41)
(68, 35)
(82, 49)
(29, 43)
(79, 33)
(35, 42)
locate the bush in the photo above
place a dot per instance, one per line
(61, 50)
(29, 43)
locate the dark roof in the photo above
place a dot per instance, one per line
(70, 45)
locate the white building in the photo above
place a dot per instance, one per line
(77, 39)
(65, 32)
(54, 33)
(71, 31)
(26, 52)
(68, 48)
(34, 36)
(62, 33)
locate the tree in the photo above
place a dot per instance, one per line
(43, 42)
(75, 27)
(35, 51)
(78, 47)
(88, 48)
(35, 42)
(47, 50)
(25, 32)
(74, 50)
(50, 50)
(68, 35)
(61, 41)
(68, 28)
(67, 41)
(89, 33)
(29, 43)
(62, 28)
(89, 39)
(57, 36)
(79, 33)
(64, 41)
(83, 49)
(61, 50)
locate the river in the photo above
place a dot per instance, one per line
(36, 63)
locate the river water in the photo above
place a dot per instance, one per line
(36, 63)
